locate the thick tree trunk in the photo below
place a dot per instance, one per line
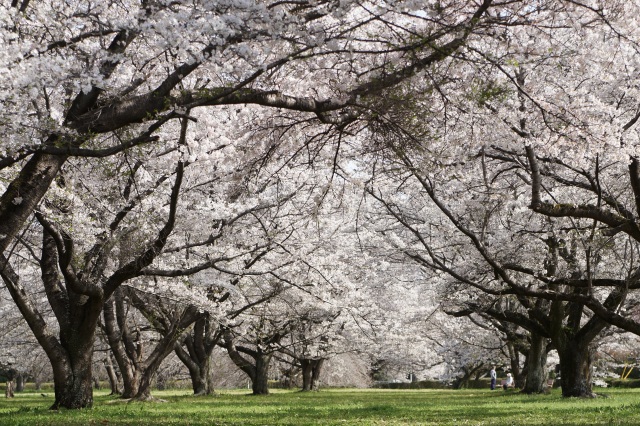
(575, 370)
(73, 382)
(149, 369)
(144, 390)
(311, 369)
(536, 362)
(521, 380)
(199, 370)
(199, 344)
(130, 383)
(572, 341)
(201, 378)
(70, 356)
(307, 372)
(258, 370)
(73, 362)
(260, 384)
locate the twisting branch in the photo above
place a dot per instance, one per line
(132, 268)
(65, 248)
(613, 220)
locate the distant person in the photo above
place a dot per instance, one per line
(509, 382)
(493, 376)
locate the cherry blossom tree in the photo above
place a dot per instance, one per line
(116, 84)
(138, 368)
(512, 136)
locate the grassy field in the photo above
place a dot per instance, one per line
(336, 407)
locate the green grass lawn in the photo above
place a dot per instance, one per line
(335, 407)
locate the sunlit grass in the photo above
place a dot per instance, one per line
(335, 407)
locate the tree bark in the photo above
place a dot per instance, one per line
(29, 187)
(144, 390)
(171, 329)
(20, 382)
(575, 370)
(201, 380)
(73, 372)
(536, 361)
(307, 372)
(258, 370)
(311, 369)
(199, 344)
(8, 391)
(199, 371)
(70, 355)
(113, 377)
(514, 361)
(315, 377)
(72, 378)
(122, 342)
(150, 367)
(260, 384)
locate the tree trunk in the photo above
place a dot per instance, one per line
(311, 369)
(8, 391)
(199, 343)
(144, 389)
(315, 377)
(130, 383)
(199, 370)
(73, 382)
(123, 342)
(20, 382)
(70, 356)
(211, 384)
(201, 378)
(536, 362)
(307, 372)
(72, 361)
(149, 368)
(113, 377)
(258, 370)
(521, 380)
(514, 361)
(575, 370)
(462, 382)
(260, 380)
(469, 371)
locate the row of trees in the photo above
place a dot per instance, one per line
(519, 192)
(269, 176)
(101, 166)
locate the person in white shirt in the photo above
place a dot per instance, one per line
(509, 382)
